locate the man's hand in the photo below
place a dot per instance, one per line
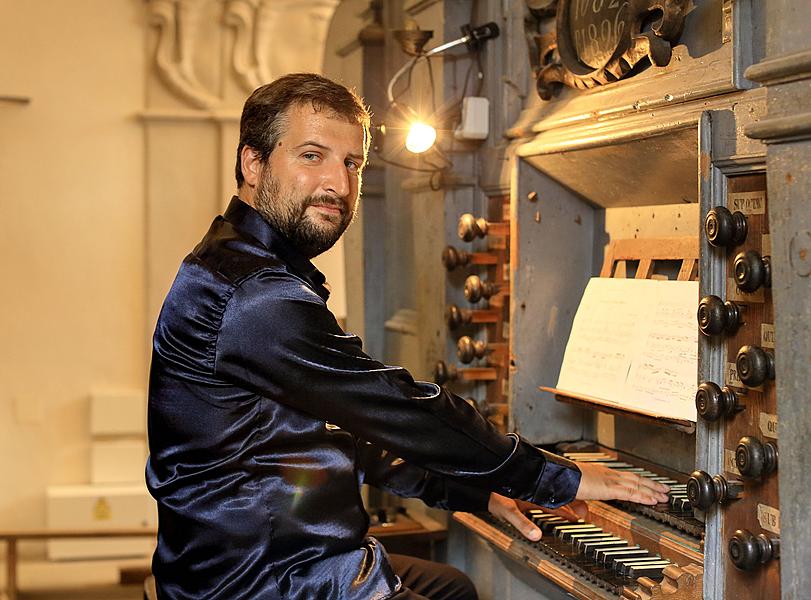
(601, 483)
(512, 511)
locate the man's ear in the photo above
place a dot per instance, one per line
(251, 164)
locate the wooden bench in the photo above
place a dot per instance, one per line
(11, 537)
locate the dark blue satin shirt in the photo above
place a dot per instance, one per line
(265, 418)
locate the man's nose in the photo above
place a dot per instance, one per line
(336, 180)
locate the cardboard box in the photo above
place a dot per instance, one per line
(117, 461)
(100, 507)
(118, 413)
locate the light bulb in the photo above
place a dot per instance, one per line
(421, 137)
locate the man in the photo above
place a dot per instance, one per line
(265, 417)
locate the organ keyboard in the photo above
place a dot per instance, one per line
(623, 550)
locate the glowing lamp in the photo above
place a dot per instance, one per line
(421, 137)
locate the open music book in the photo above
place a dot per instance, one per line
(634, 344)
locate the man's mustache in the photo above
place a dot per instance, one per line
(327, 201)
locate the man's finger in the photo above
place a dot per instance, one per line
(522, 524)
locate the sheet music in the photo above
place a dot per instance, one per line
(634, 343)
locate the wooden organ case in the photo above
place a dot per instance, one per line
(638, 146)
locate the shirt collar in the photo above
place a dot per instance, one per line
(247, 220)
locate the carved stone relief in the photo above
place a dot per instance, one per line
(251, 23)
(596, 42)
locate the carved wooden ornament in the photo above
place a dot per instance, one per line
(600, 41)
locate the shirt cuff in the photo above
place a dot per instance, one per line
(558, 482)
(537, 476)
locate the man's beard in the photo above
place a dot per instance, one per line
(287, 215)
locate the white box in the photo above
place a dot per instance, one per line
(118, 413)
(117, 461)
(475, 123)
(100, 507)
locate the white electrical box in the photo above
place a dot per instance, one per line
(100, 507)
(475, 119)
(117, 461)
(118, 413)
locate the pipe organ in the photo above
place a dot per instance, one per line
(634, 163)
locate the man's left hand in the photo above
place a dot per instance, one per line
(513, 511)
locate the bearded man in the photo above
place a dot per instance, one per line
(265, 417)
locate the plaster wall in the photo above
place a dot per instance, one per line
(109, 174)
(72, 248)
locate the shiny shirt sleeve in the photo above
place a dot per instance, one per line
(381, 469)
(278, 339)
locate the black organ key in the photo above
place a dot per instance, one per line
(623, 566)
(609, 557)
(589, 547)
(654, 570)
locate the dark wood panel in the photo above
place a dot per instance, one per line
(743, 513)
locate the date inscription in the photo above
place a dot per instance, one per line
(597, 28)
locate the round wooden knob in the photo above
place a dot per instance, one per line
(752, 271)
(455, 317)
(452, 258)
(713, 402)
(468, 349)
(755, 459)
(476, 289)
(749, 552)
(703, 491)
(754, 365)
(444, 373)
(716, 316)
(470, 227)
(724, 228)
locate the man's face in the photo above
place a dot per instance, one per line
(309, 187)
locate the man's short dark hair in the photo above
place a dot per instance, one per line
(264, 114)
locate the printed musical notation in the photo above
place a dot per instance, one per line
(634, 343)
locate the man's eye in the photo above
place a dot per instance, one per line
(309, 156)
(352, 165)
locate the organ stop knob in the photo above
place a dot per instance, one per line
(476, 289)
(752, 271)
(724, 228)
(470, 227)
(754, 458)
(453, 257)
(703, 491)
(748, 551)
(754, 365)
(713, 402)
(444, 373)
(716, 316)
(455, 316)
(468, 349)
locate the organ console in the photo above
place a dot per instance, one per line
(581, 186)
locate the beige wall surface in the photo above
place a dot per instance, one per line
(109, 174)
(72, 247)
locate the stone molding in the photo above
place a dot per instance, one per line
(783, 68)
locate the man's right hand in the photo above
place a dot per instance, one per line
(601, 483)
